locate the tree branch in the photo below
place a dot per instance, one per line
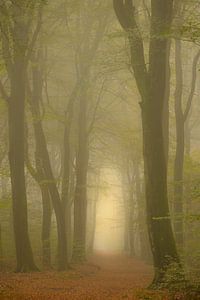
(125, 13)
(193, 84)
(35, 35)
(96, 109)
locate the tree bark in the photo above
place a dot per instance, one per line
(145, 251)
(166, 103)
(181, 115)
(151, 84)
(16, 115)
(46, 227)
(67, 179)
(80, 198)
(180, 145)
(47, 169)
(39, 176)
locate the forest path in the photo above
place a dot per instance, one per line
(103, 277)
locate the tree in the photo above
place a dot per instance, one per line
(17, 46)
(89, 31)
(151, 85)
(44, 163)
(181, 115)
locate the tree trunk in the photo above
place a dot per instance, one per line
(92, 215)
(47, 169)
(46, 226)
(182, 131)
(179, 157)
(1, 248)
(16, 52)
(166, 103)
(16, 113)
(151, 83)
(67, 178)
(145, 251)
(131, 232)
(39, 176)
(80, 199)
(158, 219)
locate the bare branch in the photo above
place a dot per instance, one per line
(96, 109)
(35, 35)
(125, 13)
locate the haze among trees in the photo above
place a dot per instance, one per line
(100, 149)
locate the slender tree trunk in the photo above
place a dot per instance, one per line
(67, 177)
(179, 157)
(188, 137)
(94, 212)
(126, 208)
(80, 200)
(126, 234)
(166, 103)
(92, 228)
(131, 232)
(16, 117)
(46, 226)
(181, 122)
(16, 113)
(47, 169)
(39, 176)
(16, 51)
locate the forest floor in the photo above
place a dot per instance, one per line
(103, 277)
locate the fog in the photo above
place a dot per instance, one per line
(109, 233)
(99, 149)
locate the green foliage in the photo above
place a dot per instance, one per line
(191, 31)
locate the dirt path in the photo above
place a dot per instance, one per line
(104, 277)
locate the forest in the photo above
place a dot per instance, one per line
(100, 149)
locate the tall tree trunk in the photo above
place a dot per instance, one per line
(46, 226)
(188, 136)
(39, 176)
(179, 157)
(166, 103)
(151, 84)
(126, 210)
(126, 234)
(158, 219)
(92, 228)
(80, 199)
(16, 114)
(131, 233)
(182, 116)
(67, 177)
(47, 169)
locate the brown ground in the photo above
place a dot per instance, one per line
(104, 277)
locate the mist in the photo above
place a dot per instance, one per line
(100, 149)
(110, 214)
